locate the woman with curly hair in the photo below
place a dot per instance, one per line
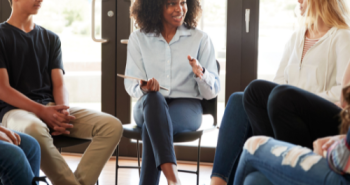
(169, 51)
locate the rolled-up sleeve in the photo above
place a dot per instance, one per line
(209, 85)
(134, 67)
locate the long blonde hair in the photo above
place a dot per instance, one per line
(334, 13)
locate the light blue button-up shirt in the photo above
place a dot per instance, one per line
(150, 56)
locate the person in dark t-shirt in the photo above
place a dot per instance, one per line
(34, 100)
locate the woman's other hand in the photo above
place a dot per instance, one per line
(196, 68)
(150, 85)
(321, 145)
(9, 136)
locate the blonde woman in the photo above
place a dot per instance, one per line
(291, 108)
(303, 105)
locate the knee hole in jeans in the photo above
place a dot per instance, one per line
(254, 143)
(292, 156)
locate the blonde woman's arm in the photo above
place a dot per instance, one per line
(342, 48)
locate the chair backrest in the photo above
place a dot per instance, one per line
(210, 106)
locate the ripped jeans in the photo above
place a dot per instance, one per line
(268, 161)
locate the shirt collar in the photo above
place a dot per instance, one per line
(181, 31)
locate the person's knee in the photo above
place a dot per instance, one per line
(252, 88)
(253, 85)
(154, 95)
(154, 99)
(281, 96)
(253, 143)
(112, 128)
(236, 97)
(13, 155)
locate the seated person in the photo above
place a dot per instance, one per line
(268, 161)
(19, 158)
(314, 61)
(161, 52)
(34, 100)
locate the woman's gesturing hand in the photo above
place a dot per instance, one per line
(9, 136)
(150, 85)
(196, 68)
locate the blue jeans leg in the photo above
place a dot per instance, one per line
(234, 131)
(19, 164)
(160, 119)
(284, 163)
(255, 178)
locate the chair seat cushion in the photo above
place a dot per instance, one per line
(66, 141)
(132, 131)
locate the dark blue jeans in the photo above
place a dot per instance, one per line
(19, 164)
(234, 131)
(266, 161)
(160, 120)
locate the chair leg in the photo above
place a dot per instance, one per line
(198, 159)
(60, 150)
(138, 157)
(116, 164)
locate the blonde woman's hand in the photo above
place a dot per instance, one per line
(9, 136)
(150, 85)
(196, 68)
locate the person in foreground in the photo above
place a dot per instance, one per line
(168, 51)
(34, 99)
(19, 158)
(268, 161)
(313, 63)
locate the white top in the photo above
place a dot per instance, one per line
(323, 66)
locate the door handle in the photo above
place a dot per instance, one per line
(124, 41)
(247, 19)
(93, 24)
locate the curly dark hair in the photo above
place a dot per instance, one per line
(148, 14)
(10, 1)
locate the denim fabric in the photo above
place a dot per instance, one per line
(19, 164)
(268, 162)
(160, 120)
(234, 131)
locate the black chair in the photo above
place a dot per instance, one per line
(132, 131)
(65, 141)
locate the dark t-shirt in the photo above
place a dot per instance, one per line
(29, 59)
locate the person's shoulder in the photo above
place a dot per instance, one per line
(4, 28)
(49, 33)
(197, 33)
(137, 33)
(342, 34)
